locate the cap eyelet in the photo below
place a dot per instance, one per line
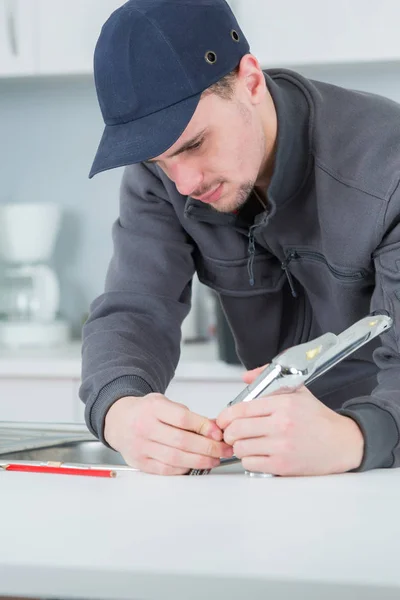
(235, 36)
(211, 57)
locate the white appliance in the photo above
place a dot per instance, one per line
(199, 325)
(29, 287)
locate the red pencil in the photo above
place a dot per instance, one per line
(59, 470)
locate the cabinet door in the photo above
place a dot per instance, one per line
(79, 405)
(40, 400)
(207, 398)
(17, 34)
(294, 33)
(68, 32)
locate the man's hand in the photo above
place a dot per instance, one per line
(162, 437)
(291, 433)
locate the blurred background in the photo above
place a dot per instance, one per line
(53, 258)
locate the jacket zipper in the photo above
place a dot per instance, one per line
(298, 254)
(285, 266)
(251, 252)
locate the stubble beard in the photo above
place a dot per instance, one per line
(240, 199)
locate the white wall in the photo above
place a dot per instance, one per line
(49, 131)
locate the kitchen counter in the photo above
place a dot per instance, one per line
(197, 361)
(219, 536)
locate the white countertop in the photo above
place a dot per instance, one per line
(197, 361)
(219, 536)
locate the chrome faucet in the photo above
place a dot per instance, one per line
(302, 364)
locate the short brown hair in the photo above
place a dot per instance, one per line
(225, 87)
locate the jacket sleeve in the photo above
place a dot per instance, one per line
(131, 340)
(378, 415)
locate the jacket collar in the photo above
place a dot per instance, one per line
(293, 159)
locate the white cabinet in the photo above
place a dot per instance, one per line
(56, 399)
(79, 406)
(67, 33)
(54, 37)
(46, 400)
(43, 384)
(202, 396)
(50, 37)
(289, 33)
(53, 399)
(17, 33)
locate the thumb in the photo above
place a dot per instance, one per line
(250, 376)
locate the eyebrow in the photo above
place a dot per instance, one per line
(186, 146)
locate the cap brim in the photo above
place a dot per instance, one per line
(139, 140)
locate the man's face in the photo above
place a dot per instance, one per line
(220, 155)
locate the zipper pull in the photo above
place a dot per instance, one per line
(285, 266)
(251, 252)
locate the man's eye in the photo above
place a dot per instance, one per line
(196, 145)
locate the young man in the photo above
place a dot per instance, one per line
(283, 194)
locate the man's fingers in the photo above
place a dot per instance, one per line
(154, 467)
(281, 401)
(242, 429)
(188, 441)
(262, 446)
(178, 416)
(250, 376)
(174, 457)
(260, 407)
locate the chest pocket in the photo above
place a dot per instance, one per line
(323, 280)
(232, 276)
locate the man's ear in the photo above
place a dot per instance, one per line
(251, 76)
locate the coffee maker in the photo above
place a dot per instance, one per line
(29, 286)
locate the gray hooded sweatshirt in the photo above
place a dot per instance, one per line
(324, 254)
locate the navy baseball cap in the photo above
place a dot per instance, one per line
(152, 62)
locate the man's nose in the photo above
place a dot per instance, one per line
(187, 178)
